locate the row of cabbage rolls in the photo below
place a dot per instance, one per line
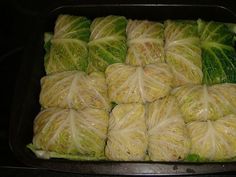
(134, 90)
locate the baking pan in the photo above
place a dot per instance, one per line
(26, 105)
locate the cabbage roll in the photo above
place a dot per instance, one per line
(202, 102)
(214, 140)
(66, 133)
(218, 53)
(74, 89)
(107, 42)
(145, 42)
(132, 84)
(167, 133)
(127, 134)
(183, 51)
(67, 49)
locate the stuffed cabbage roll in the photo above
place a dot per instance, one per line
(127, 134)
(214, 140)
(218, 53)
(202, 102)
(145, 42)
(74, 89)
(67, 49)
(167, 133)
(183, 51)
(66, 133)
(107, 42)
(130, 84)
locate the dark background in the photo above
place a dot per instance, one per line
(16, 19)
(11, 47)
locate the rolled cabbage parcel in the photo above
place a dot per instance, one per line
(218, 52)
(70, 134)
(74, 89)
(202, 102)
(127, 133)
(167, 133)
(107, 42)
(136, 84)
(67, 49)
(214, 140)
(183, 51)
(145, 41)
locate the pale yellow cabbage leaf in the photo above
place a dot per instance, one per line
(167, 133)
(130, 84)
(214, 140)
(202, 102)
(74, 89)
(70, 132)
(145, 42)
(127, 134)
(183, 51)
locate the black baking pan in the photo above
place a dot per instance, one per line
(26, 105)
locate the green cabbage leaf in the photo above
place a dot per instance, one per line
(67, 49)
(218, 53)
(107, 42)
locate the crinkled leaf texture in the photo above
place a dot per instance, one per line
(107, 42)
(167, 133)
(202, 102)
(74, 89)
(183, 51)
(145, 42)
(218, 53)
(232, 28)
(47, 41)
(127, 134)
(67, 49)
(72, 27)
(66, 133)
(214, 140)
(130, 84)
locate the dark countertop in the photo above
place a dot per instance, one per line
(14, 34)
